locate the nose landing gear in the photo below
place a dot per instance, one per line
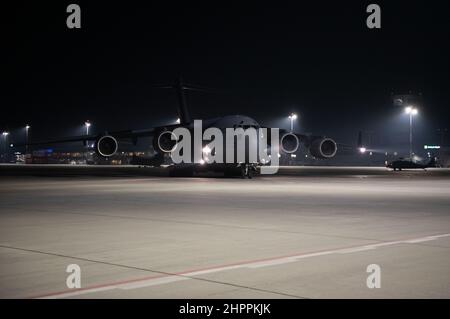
(248, 170)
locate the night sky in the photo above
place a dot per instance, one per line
(264, 60)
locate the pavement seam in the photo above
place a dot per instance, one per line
(150, 270)
(351, 249)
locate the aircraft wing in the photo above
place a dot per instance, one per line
(132, 135)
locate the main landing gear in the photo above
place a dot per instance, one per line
(248, 170)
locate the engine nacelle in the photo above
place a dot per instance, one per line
(289, 143)
(163, 143)
(106, 146)
(323, 148)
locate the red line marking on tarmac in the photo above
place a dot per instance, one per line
(184, 274)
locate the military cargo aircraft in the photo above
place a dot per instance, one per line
(107, 144)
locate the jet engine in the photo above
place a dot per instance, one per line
(106, 146)
(289, 143)
(163, 143)
(323, 147)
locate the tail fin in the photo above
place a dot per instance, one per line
(179, 88)
(360, 140)
(183, 112)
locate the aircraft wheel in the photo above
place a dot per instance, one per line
(243, 171)
(251, 171)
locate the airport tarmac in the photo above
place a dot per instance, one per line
(306, 233)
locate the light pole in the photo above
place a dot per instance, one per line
(87, 124)
(411, 111)
(292, 117)
(27, 128)
(5, 136)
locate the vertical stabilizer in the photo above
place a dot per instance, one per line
(183, 112)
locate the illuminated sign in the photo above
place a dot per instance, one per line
(431, 147)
